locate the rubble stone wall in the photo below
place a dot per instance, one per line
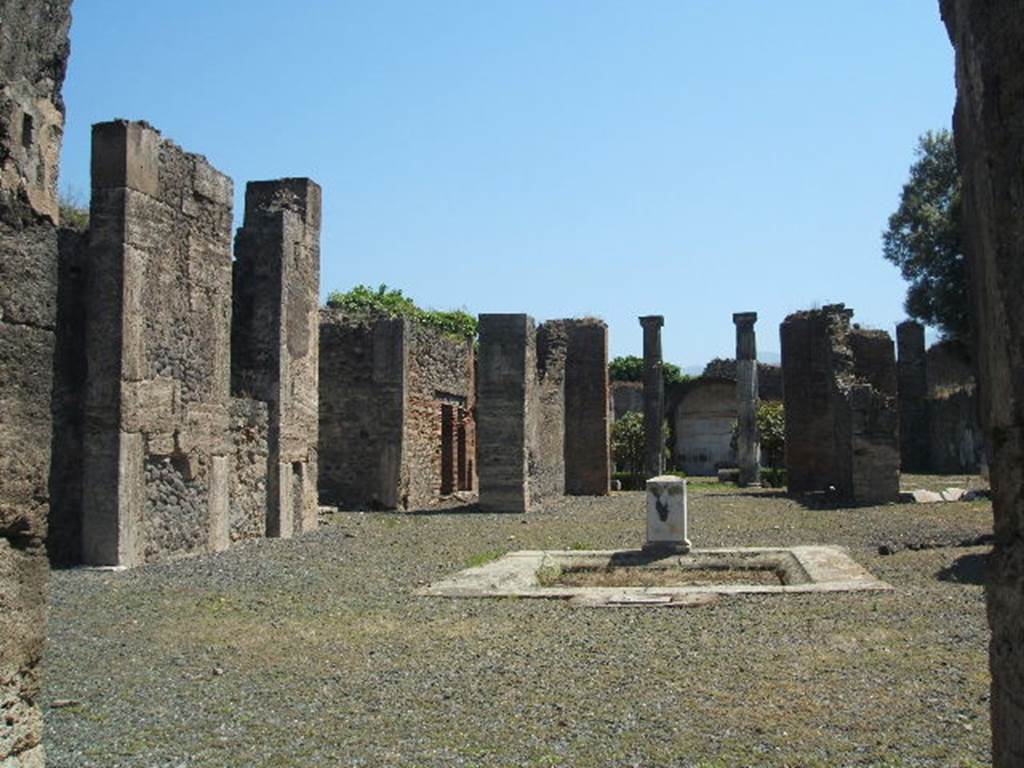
(587, 423)
(275, 332)
(362, 410)
(33, 58)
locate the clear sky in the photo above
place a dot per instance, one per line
(557, 157)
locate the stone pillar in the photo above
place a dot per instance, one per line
(912, 385)
(275, 338)
(158, 349)
(33, 55)
(989, 125)
(587, 444)
(506, 374)
(748, 443)
(654, 396)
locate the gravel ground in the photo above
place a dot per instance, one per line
(314, 652)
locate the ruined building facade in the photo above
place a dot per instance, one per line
(842, 419)
(397, 398)
(33, 58)
(542, 410)
(196, 424)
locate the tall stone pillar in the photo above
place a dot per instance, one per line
(506, 405)
(654, 396)
(912, 387)
(748, 444)
(989, 126)
(275, 338)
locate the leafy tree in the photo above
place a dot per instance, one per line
(363, 301)
(631, 368)
(771, 428)
(925, 239)
(628, 444)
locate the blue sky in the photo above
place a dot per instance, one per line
(555, 157)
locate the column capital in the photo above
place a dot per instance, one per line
(652, 321)
(744, 318)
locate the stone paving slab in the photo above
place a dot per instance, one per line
(808, 569)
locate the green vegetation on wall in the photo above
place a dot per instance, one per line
(363, 301)
(631, 368)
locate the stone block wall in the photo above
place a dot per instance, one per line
(543, 410)
(33, 58)
(955, 443)
(842, 419)
(627, 397)
(275, 338)
(156, 436)
(506, 404)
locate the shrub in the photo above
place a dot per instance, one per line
(631, 368)
(363, 301)
(628, 447)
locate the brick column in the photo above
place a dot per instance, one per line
(912, 384)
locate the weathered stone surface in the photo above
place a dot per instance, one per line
(842, 430)
(748, 444)
(158, 349)
(989, 129)
(704, 412)
(654, 396)
(912, 386)
(396, 412)
(627, 397)
(33, 57)
(587, 421)
(506, 403)
(275, 335)
(546, 412)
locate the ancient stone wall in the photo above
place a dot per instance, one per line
(69, 372)
(506, 404)
(439, 409)
(274, 338)
(156, 439)
(769, 376)
(842, 430)
(874, 419)
(546, 444)
(703, 415)
(912, 388)
(956, 445)
(362, 410)
(814, 352)
(250, 425)
(587, 443)
(33, 57)
(989, 129)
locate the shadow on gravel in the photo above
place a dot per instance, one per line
(462, 509)
(967, 569)
(763, 493)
